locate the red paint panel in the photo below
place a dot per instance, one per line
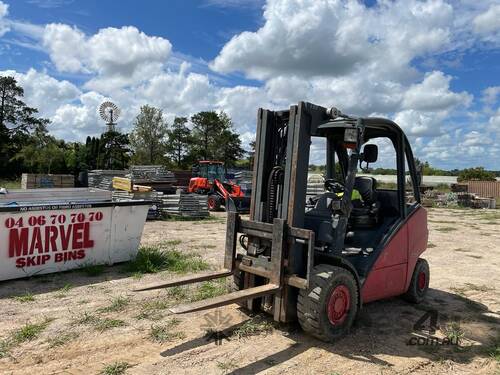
(391, 274)
(417, 239)
(388, 276)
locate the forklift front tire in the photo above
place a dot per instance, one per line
(327, 309)
(419, 282)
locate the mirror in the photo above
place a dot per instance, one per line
(370, 153)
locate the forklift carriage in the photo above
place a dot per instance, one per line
(318, 260)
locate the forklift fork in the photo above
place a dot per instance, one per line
(272, 270)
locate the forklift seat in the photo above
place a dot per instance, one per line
(365, 213)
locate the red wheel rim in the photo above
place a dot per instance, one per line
(211, 203)
(422, 280)
(339, 304)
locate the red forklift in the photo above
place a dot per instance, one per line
(209, 178)
(320, 260)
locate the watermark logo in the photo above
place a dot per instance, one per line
(214, 326)
(426, 327)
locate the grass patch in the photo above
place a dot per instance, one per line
(227, 366)
(460, 250)
(151, 310)
(29, 331)
(117, 304)
(163, 333)
(93, 269)
(107, 323)
(61, 339)
(24, 298)
(153, 259)
(86, 318)
(210, 289)
(478, 288)
(446, 229)
(430, 245)
(454, 332)
(116, 368)
(257, 325)
(63, 292)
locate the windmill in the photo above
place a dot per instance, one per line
(110, 113)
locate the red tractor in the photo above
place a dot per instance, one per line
(209, 178)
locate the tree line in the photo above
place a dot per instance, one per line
(27, 146)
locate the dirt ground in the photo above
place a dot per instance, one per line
(80, 330)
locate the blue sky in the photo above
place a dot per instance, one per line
(433, 65)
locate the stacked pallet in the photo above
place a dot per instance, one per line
(103, 178)
(47, 181)
(155, 176)
(185, 205)
(315, 185)
(155, 197)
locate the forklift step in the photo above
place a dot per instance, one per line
(188, 280)
(226, 299)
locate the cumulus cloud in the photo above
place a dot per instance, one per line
(334, 38)
(43, 91)
(119, 57)
(488, 21)
(434, 94)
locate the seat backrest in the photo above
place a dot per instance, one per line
(367, 188)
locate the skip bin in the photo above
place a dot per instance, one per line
(52, 230)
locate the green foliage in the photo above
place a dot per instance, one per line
(476, 174)
(114, 151)
(116, 368)
(17, 122)
(179, 143)
(152, 259)
(148, 138)
(214, 138)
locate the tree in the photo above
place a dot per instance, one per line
(478, 174)
(114, 151)
(17, 121)
(214, 138)
(148, 137)
(179, 142)
(206, 128)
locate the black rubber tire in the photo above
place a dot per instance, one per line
(237, 283)
(312, 302)
(415, 294)
(216, 202)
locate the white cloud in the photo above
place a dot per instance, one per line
(4, 11)
(118, 57)
(43, 91)
(489, 21)
(334, 38)
(490, 95)
(433, 94)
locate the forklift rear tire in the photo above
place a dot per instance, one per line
(213, 203)
(419, 282)
(238, 283)
(327, 309)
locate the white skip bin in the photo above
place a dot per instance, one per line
(51, 230)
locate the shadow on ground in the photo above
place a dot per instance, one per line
(386, 328)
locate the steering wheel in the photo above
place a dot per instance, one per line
(334, 186)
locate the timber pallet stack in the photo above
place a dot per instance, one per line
(103, 178)
(155, 176)
(47, 181)
(185, 205)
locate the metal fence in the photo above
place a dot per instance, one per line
(485, 189)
